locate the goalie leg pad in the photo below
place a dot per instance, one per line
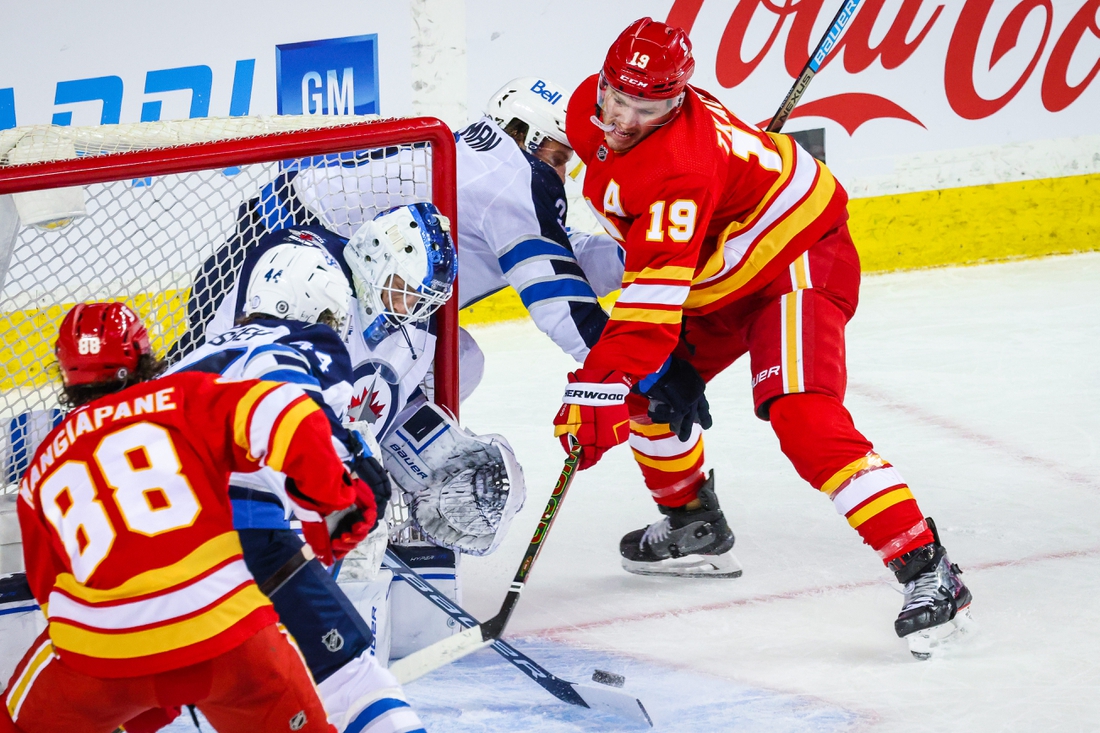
(462, 489)
(368, 699)
(20, 622)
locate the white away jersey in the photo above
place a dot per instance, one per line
(310, 356)
(385, 373)
(511, 232)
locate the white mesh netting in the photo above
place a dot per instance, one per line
(169, 245)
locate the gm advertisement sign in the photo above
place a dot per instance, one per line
(170, 63)
(338, 76)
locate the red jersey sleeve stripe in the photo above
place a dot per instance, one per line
(286, 428)
(243, 413)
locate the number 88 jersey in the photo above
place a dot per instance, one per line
(127, 530)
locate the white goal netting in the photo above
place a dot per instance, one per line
(164, 237)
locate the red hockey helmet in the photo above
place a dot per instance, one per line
(100, 342)
(650, 60)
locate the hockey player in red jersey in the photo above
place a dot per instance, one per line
(736, 242)
(130, 549)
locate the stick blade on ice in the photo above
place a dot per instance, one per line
(610, 700)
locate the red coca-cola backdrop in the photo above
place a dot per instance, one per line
(1021, 68)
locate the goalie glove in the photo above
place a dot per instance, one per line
(677, 396)
(462, 489)
(341, 532)
(594, 412)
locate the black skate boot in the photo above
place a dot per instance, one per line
(937, 603)
(696, 543)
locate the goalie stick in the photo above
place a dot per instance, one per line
(820, 53)
(478, 637)
(601, 699)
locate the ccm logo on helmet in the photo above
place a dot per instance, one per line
(587, 395)
(540, 89)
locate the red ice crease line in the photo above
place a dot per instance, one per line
(944, 423)
(795, 594)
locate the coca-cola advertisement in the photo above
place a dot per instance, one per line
(906, 76)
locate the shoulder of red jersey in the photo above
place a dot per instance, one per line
(584, 137)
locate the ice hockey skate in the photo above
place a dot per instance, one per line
(937, 603)
(689, 543)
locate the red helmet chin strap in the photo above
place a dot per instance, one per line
(650, 60)
(100, 342)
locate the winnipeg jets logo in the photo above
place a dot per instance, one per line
(370, 397)
(333, 641)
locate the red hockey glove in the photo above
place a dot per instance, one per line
(342, 531)
(594, 412)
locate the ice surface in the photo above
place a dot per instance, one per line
(980, 384)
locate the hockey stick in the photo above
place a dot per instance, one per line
(494, 627)
(452, 648)
(824, 46)
(597, 698)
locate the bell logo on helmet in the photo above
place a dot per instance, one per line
(539, 88)
(88, 345)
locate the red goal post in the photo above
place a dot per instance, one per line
(131, 212)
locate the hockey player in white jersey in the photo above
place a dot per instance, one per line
(402, 266)
(296, 314)
(512, 213)
(511, 225)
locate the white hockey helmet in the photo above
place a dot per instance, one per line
(537, 102)
(299, 283)
(403, 265)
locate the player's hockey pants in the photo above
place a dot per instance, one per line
(359, 694)
(260, 685)
(793, 331)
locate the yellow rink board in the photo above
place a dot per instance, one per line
(952, 226)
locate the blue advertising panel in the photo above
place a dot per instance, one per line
(333, 76)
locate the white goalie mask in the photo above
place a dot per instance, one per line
(537, 102)
(403, 265)
(299, 283)
(462, 489)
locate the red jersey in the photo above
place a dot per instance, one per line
(707, 208)
(127, 528)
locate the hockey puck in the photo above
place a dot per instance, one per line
(608, 678)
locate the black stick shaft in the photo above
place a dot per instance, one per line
(824, 46)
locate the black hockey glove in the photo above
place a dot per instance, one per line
(368, 469)
(678, 398)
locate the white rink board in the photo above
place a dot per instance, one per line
(949, 80)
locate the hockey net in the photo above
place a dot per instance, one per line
(155, 214)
